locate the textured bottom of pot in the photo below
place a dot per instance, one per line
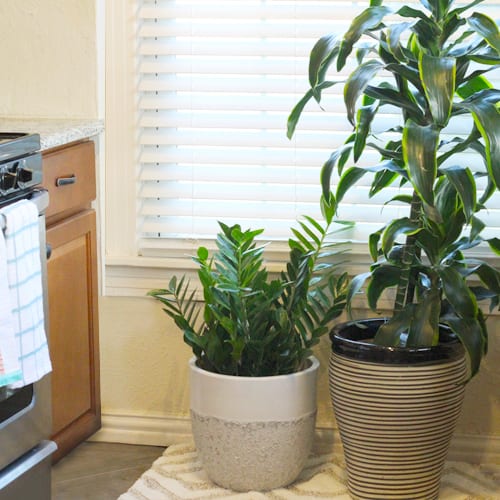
(396, 423)
(253, 456)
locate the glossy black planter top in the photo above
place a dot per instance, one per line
(352, 339)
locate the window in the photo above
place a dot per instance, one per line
(198, 97)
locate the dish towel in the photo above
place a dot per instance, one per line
(10, 367)
(24, 278)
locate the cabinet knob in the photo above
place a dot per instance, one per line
(64, 181)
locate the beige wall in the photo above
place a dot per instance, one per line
(49, 54)
(144, 372)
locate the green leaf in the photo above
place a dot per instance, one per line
(299, 107)
(463, 181)
(394, 39)
(395, 98)
(368, 19)
(476, 227)
(327, 170)
(494, 244)
(373, 241)
(461, 10)
(438, 79)
(470, 87)
(457, 292)
(471, 334)
(411, 12)
(424, 329)
(489, 276)
(328, 207)
(365, 117)
(348, 179)
(487, 28)
(382, 277)
(356, 286)
(419, 151)
(356, 83)
(389, 334)
(396, 228)
(381, 180)
(323, 53)
(487, 119)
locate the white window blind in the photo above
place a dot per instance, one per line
(217, 80)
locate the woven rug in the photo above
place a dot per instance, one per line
(179, 474)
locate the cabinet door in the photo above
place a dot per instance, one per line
(73, 331)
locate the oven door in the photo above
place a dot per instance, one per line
(25, 414)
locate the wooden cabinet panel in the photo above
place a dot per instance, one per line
(72, 291)
(69, 176)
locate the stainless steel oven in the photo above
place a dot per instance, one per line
(25, 413)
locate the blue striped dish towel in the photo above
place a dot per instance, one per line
(24, 276)
(10, 367)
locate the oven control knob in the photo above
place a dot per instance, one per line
(7, 181)
(24, 175)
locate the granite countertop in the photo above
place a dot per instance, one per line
(54, 132)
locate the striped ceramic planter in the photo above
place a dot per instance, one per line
(396, 410)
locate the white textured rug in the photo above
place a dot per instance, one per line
(178, 474)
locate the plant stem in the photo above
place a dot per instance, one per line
(406, 286)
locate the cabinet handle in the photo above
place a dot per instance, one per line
(64, 181)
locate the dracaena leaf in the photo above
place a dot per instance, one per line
(396, 228)
(394, 39)
(487, 119)
(322, 55)
(419, 150)
(470, 87)
(370, 18)
(462, 9)
(348, 179)
(382, 277)
(457, 292)
(487, 28)
(438, 80)
(465, 185)
(494, 244)
(327, 169)
(389, 334)
(365, 117)
(424, 329)
(471, 334)
(356, 286)
(299, 107)
(356, 83)
(395, 98)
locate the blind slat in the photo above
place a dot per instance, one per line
(216, 82)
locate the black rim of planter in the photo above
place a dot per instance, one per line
(353, 340)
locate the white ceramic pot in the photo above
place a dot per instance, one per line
(253, 433)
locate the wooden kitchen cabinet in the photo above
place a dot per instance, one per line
(69, 175)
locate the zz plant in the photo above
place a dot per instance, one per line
(253, 325)
(427, 62)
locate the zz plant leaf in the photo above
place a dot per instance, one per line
(254, 325)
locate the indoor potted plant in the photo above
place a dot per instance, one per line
(428, 62)
(253, 376)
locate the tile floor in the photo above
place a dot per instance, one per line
(100, 471)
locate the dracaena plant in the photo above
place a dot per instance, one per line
(428, 62)
(252, 325)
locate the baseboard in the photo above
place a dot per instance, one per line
(146, 430)
(165, 431)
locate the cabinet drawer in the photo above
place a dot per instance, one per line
(69, 176)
